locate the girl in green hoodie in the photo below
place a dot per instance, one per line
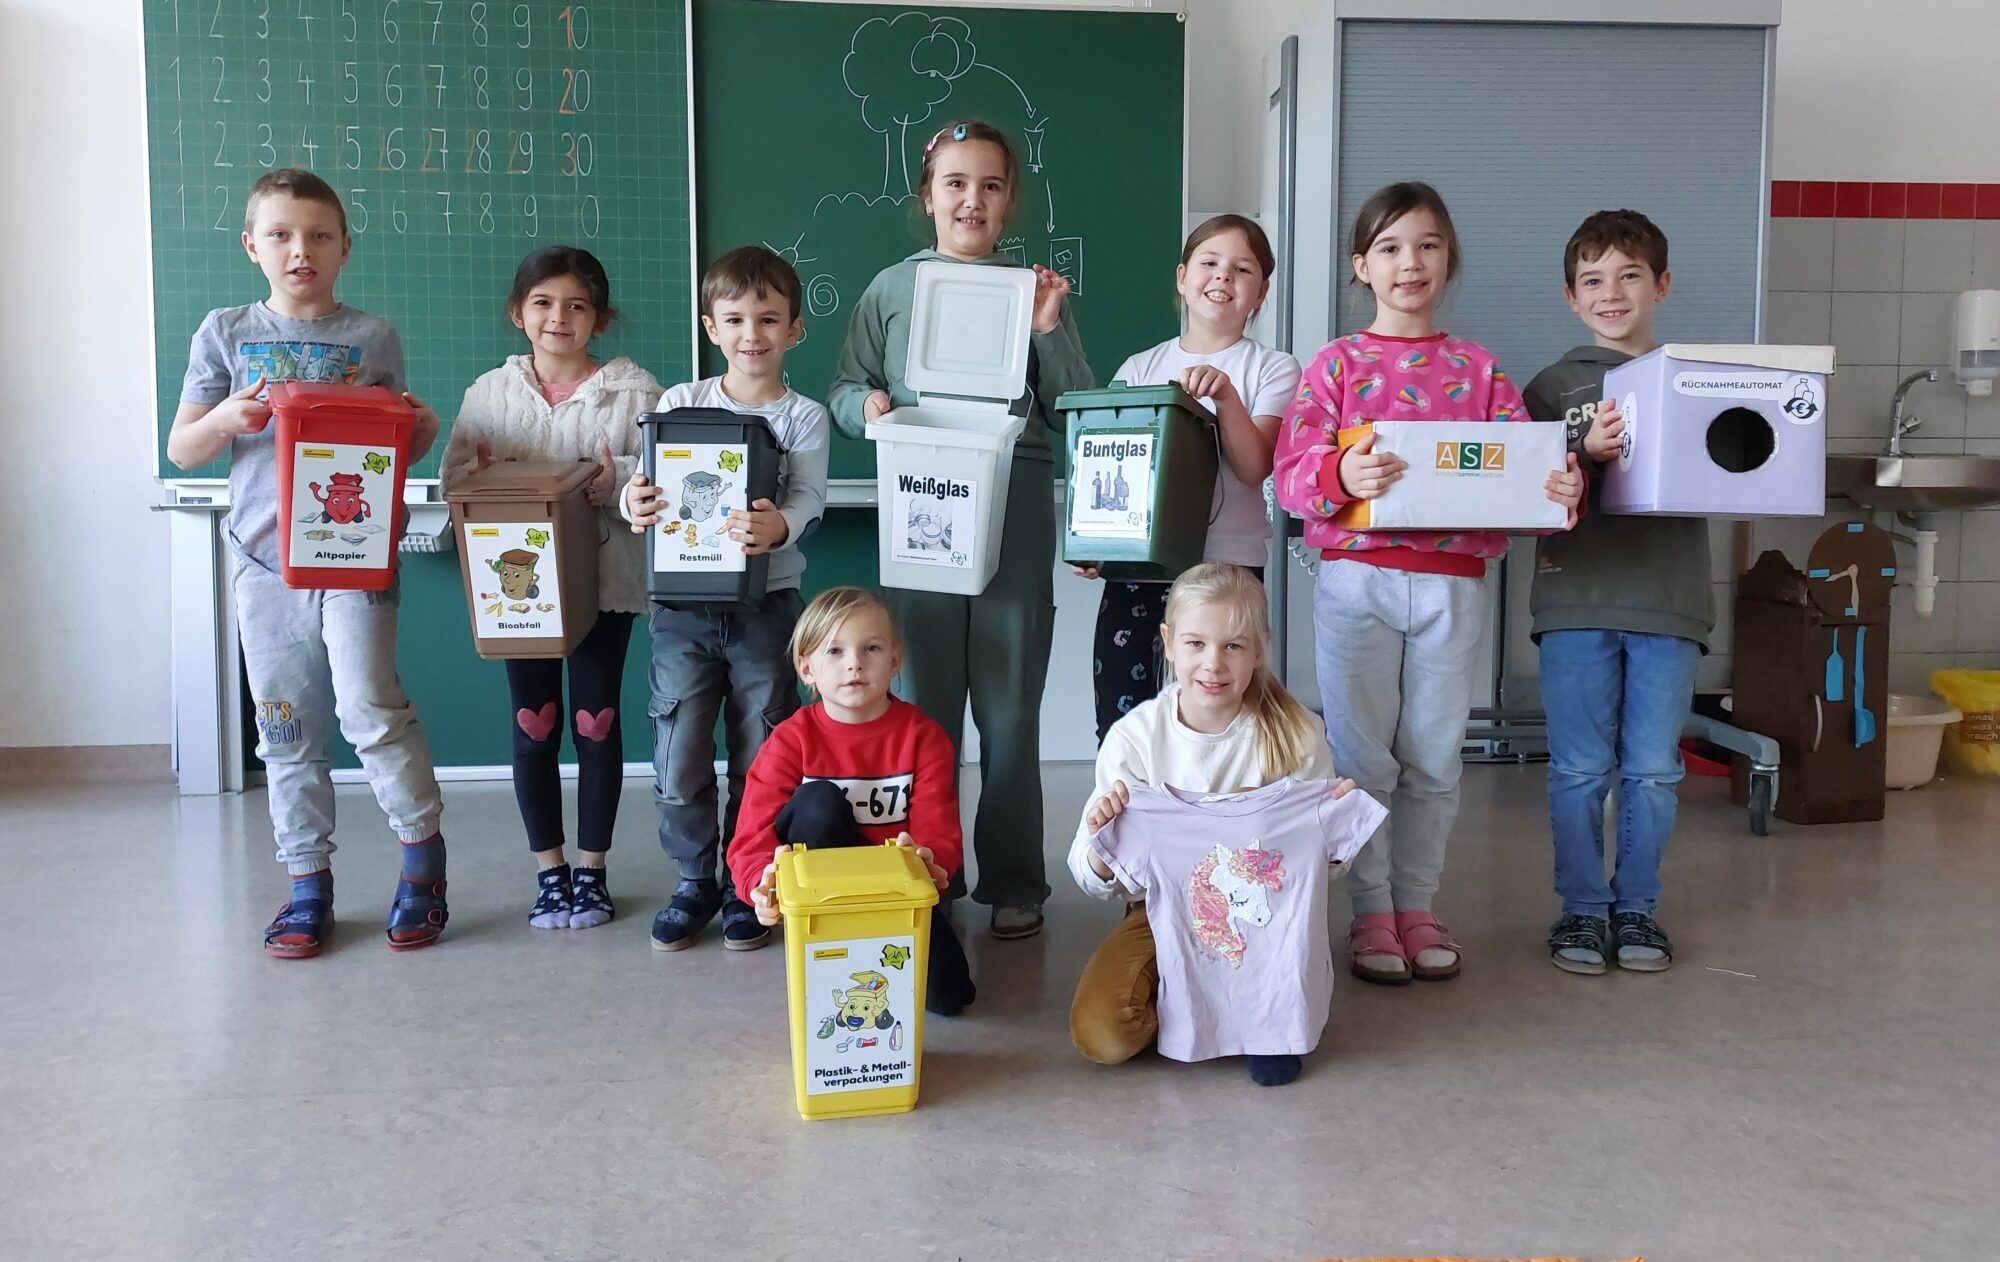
(969, 181)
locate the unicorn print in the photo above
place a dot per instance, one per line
(1229, 891)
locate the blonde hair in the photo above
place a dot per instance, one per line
(1286, 731)
(825, 614)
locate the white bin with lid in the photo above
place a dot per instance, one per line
(942, 466)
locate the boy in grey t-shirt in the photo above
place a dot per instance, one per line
(305, 651)
(733, 666)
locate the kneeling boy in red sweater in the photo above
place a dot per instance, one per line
(857, 767)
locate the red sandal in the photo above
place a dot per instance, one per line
(1420, 932)
(1373, 937)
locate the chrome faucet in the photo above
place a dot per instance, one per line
(1897, 425)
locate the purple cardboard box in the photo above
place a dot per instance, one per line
(1721, 431)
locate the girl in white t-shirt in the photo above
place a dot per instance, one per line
(1223, 278)
(1224, 725)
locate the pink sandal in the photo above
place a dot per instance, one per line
(1374, 937)
(1420, 932)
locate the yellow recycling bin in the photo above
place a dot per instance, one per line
(857, 944)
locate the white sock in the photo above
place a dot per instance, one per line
(1436, 957)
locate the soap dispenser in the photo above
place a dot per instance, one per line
(1975, 341)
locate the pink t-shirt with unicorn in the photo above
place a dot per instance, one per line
(1235, 887)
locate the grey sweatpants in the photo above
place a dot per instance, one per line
(1396, 656)
(313, 656)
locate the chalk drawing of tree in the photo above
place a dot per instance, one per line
(900, 69)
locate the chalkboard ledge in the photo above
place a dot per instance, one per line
(213, 493)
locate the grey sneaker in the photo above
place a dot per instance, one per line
(1643, 946)
(1024, 921)
(1576, 944)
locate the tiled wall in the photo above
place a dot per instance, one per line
(1875, 269)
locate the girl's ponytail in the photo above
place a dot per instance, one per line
(1286, 731)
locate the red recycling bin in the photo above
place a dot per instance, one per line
(342, 455)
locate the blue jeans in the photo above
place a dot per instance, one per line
(1616, 701)
(736, 666)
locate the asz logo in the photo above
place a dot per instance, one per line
(1471, 457)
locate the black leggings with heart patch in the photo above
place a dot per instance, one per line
(534, 686)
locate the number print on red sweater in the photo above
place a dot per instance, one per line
(877, 800)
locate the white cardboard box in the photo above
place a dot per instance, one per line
(1720, 431)
(1463, 475)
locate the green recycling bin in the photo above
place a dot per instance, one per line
(1141, 490)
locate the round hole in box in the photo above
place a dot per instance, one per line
(1740, 440)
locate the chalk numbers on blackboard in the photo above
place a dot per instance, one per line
(441, 163)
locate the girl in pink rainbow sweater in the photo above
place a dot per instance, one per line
(1397, 614)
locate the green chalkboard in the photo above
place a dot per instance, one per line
(786, 155)
(811, 121)
(461, 133)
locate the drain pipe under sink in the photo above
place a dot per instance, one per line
(1923, 534)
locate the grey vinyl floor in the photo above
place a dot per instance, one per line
(1815, 1079)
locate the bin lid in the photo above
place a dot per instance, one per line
(1814, 359)
(329, 397)
(1120, 395)
(852, 878)
(735, 421)
(969, 330)
(523, 480)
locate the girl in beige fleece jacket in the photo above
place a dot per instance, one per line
(557, 403)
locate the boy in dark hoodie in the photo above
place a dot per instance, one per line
(1622, 613)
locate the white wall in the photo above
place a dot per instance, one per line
(1860, 95)
(1874, 91)
(83, 626)
(1865, 91)
(1227, 41)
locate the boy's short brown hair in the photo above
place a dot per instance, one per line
(749, 269)
(1626, 231)
(292, 182)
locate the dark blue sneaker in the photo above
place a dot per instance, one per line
(740, 928)
(686, 914)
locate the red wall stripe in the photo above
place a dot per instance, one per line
(1862, 199)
